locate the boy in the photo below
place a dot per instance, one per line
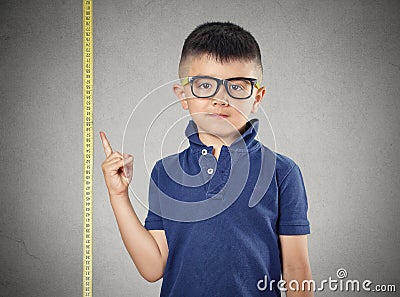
(226, 215)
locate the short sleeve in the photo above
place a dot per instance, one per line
(293, 205)
(153, 220)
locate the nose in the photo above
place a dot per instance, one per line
(216, 101)
(221, 97)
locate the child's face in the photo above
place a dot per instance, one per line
(203, 110)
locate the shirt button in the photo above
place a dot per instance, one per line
(204, 152)
(210, 171)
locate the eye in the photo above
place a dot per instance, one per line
(236, 87)
(204, 86)
(239, 85)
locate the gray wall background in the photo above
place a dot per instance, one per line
(332, 70)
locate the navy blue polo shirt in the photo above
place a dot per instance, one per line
(223, 217)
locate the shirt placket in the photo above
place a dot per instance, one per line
(215, 172)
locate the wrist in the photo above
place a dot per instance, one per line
(118, 196)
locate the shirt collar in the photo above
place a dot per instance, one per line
(245, 142)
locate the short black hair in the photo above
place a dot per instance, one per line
(223, 41)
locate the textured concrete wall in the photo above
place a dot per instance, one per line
(332, 69)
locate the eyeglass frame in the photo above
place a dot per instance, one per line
(189, 79)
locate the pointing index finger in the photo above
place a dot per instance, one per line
(106, 144)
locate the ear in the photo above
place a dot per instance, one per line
(180, 94)
(258, 98)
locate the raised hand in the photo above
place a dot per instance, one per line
(117, 169)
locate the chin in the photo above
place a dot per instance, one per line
(221, 127)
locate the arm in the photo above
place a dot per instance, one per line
(148, 249)
(295, 265)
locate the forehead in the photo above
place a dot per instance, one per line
(205, 65)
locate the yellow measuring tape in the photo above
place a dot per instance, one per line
(87, 18)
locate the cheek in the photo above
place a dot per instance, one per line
(243, 108)
(198, 105)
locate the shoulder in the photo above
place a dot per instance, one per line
(283, 164)
(169, 162)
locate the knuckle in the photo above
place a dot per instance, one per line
(116, 154)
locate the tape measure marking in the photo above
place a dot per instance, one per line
(87, 34)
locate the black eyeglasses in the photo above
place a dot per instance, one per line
(207, 86)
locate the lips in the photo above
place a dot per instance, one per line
(219, 115)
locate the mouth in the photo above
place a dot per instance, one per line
(218, 115)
